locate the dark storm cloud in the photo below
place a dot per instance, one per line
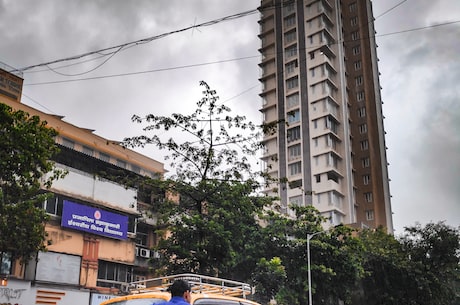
(420, 73)
(419, 69)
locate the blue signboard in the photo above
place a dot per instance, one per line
(93, 220)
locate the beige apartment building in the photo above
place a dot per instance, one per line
(99, 236)
(320, 77)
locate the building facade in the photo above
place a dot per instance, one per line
(100, 231)
(320, 81)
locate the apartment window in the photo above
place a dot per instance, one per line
(53, 205)
(294, 152)
(113, 274)
(104, 157)
(293, 116)
(370, 215)
(357, 65)
(368, 197)
(289, 21)
(365, 162)
(331, 141)
(293, 134)
(318, 198)
(331, 124)
(292, 83)
(362, 128)
(68, 143)
(362, 112)
(364, 145)
(331, 175)
(292, 100)
(360, 96)
(288, 7)
(366, 179)
(356, 50)
(295, 168)
(5, 263)
(291, 51)
(295, 184)
(291, 66)
(121, 163)
(88, 151)
(136, 169)
(296, 200)
(332, 160)
(354, 21)
(315, 126)
(326, 88)
(352, 7)
(330, 106)
(290, 36)
(318, 178)
(359, 80)
(355, 35)
(142, 234)
(334, 198)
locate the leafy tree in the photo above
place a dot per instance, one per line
(26, 148)
(421, 267)
(211, 227)
(434, 252)
(269, 276)
(334, 266)
(388, 272)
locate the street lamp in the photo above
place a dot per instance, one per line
(310, 236)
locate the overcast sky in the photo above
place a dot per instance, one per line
(419, 65)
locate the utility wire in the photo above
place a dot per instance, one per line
(141, 41)
(390, 9)
(86, 72)
(147, 40)
(222, 61)
(143, 72)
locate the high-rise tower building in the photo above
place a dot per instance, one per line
(320, 79)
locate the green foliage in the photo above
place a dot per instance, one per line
(421, 267)
(212, 150)
(219, 227)
(434, 254)
(269, 277)
(26, 148)
(211, 229)
(332, 257)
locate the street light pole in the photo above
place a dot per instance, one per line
(310, 236)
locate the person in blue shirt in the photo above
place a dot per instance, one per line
(180, 293)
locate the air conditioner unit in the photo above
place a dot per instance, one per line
(144, 253)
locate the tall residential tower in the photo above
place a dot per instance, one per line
(320, 79)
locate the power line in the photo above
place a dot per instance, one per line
(390, 9)
(140, 41)
(86, 72)
(149, 39)
(222, 61)
(143, 72)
